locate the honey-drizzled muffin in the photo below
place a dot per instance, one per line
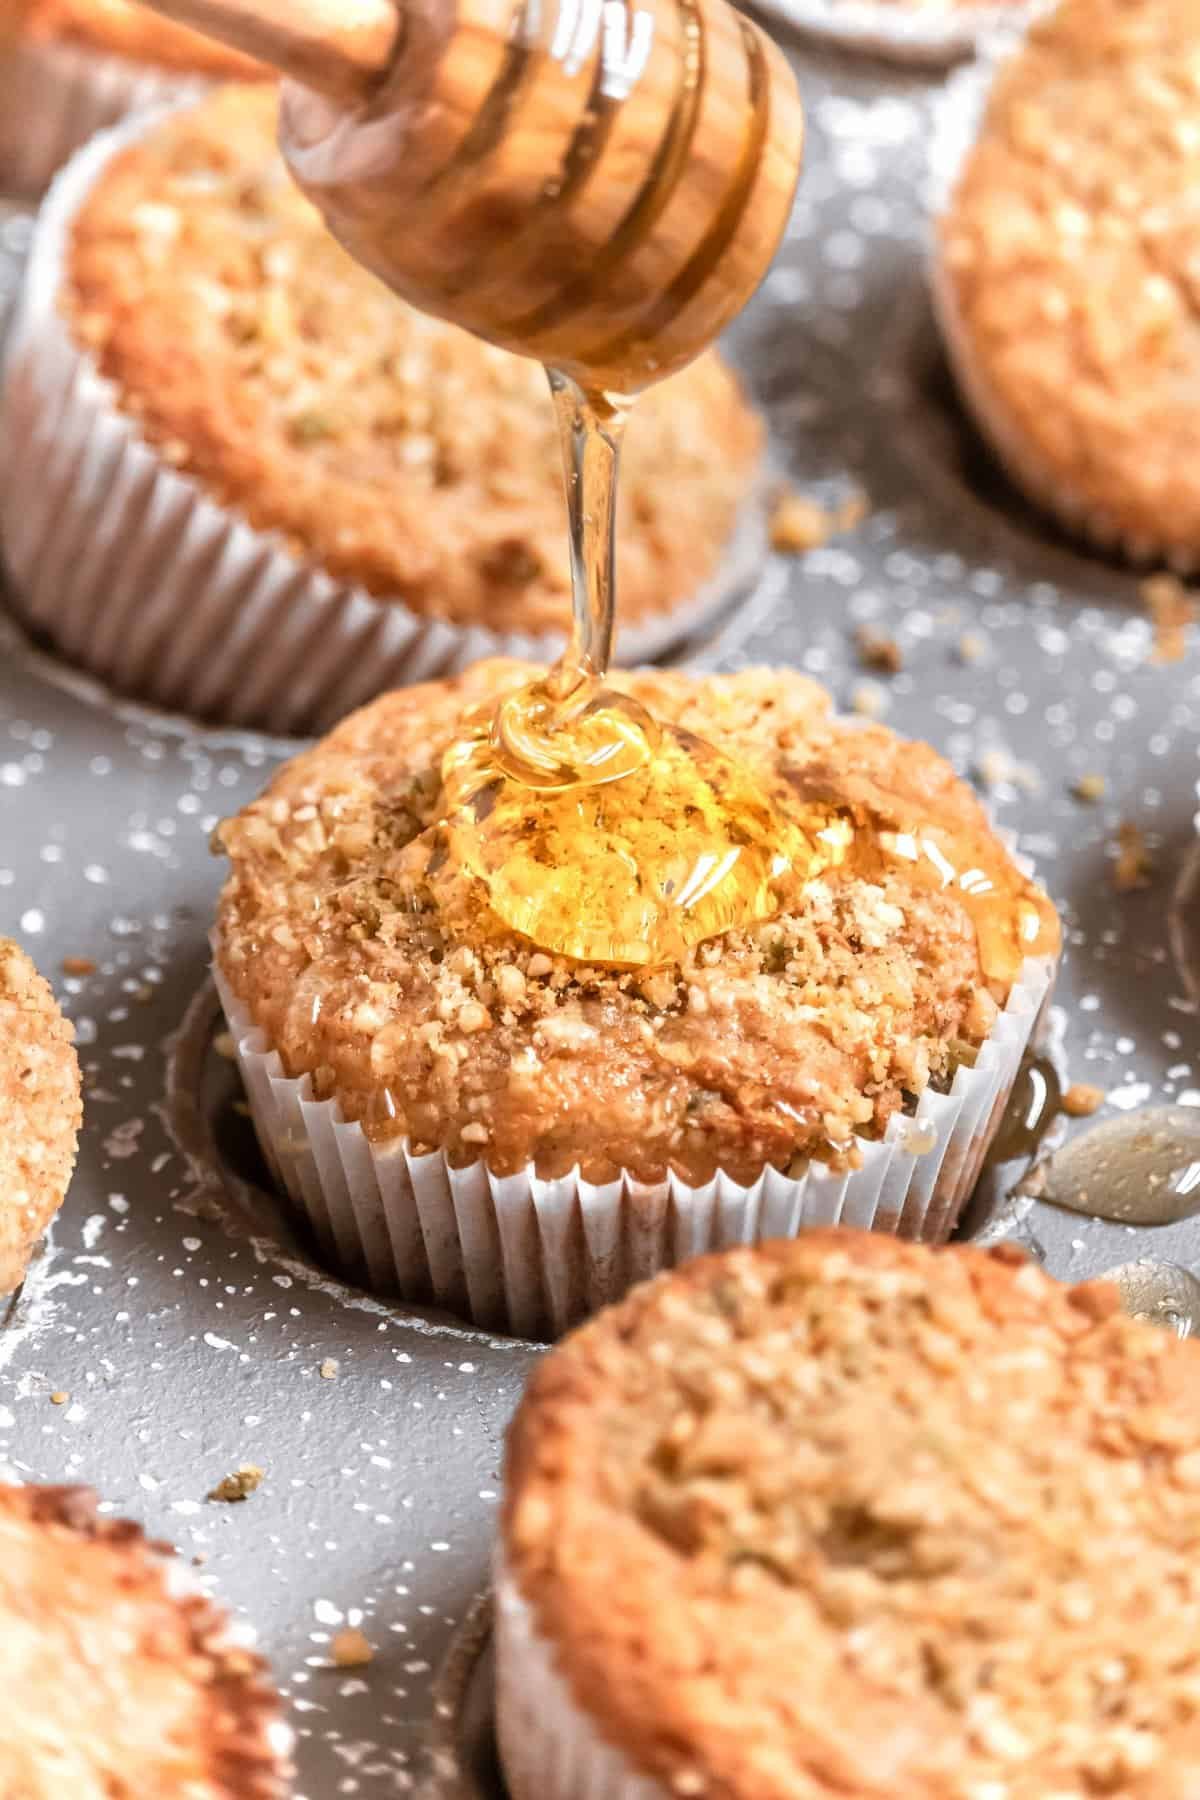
(356, 491)
(40, 1110)
(120, 1679)
(72, 67)
(1066, 272)
(849, 1517)
(377, 973)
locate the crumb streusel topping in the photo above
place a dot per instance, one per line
(1070, 252)
(391, 448)
(424, 1019)
(40, 1110)
(849, 1517)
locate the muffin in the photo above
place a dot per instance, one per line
(1065, 273)
(120, 1679)
(297, 491)
(77, 66)
(850, 1517)
(40, 1111)
(465, 1119)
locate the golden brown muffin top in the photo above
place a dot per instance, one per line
(118, 1682)
(394, 450)
(426, 1019)
(40, 1110)
(1070, 253)
(122, 28)
(845, 1516)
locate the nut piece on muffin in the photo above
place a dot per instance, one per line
(1066, 272)
(377, 974)
(850, 1517)
(367, 492)
(120, 1680)
(41, 1110)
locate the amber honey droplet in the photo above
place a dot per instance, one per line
(634, 871)
(1012, 917)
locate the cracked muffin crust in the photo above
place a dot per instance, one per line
(1066, 271)
(388, 448)
(425, 1019)
(121, 1680)
(124, 28)
(40, 1110)
(849, 1517)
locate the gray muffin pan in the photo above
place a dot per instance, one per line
(191, 1333)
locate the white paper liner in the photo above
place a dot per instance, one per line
(55, 96)
(959, 116)
(549, 1748)
(134, 572)
(930, 35)
(533, 1257)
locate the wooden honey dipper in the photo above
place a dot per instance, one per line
(600, 184)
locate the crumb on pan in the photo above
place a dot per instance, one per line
(1081, 1100)
(244, 1481)
(351, 1650)
(799, 523)
(878, 650)
(1133, 867)
(1173, 610)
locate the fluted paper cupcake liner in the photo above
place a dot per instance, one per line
(960, 113)
(55, 96)
(137, 574)
(533, 1257)
(549, 1748)
(931, 35)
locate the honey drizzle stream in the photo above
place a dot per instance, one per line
(598, 832)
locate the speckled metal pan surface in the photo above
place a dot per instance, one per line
(192, 1334)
